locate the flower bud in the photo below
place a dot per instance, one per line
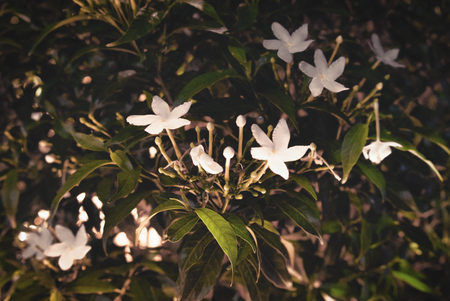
(228, 152)
(339, 39)
(158, 141)
(240, 121)
(379, 86)
(210, 126)
(239, 197)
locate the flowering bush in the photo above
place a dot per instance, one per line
(176, 151)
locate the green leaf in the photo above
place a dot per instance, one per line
(202, 82)
(431, 135)
(125, 185)
(273, 266)
(366, 237)
(90, 285)
(167, 205)
(328, 108)
(206, 8)
(398, 201)
(121, 159)
(89, 142)
(250, 282)
(271, 239)
(56, 25)
(180, 227)
(302, 211)
(374, 175)
(146, 20)
(55, 295)
(413, 281)
(237, 50)
(305, 183)
(246, 16)
(74, 180)
(254, 205)
(10, 196)
(222, 232)
(203, 275)
(193, 249)
(143, 289)
(283, 102)
(119, 211)
(417, 235)
(240, 229)
(352, 146)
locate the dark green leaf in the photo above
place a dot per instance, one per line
(146, 20)
(284, 103)
(249, 280)
(206, 8)
(398, 201)
(326, 107)
(366, 237)
(10, 195)
(127, 133)
(74, 179)
(431, 135)
(89, 142)
(254, 205)
(125, 185)
(305, 183)
(202, 82)
(90, 285)
(352, 146)
(273, 266)
(119, 211)
(413, 281)
(240, 229)
(237, 50)
(417, 235)
(246, 16)
(180, 227)
(144, 290)
(271, 239)
(193, 248)
(121, 159)
(222, 232)
(302, 211)
(374, 175)
(203, 275)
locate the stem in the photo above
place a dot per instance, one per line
(175, 146)
(377, 118)
(225, 205)
(241, 137)
(158, 142)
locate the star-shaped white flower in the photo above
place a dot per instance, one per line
(377, 150)
(387, 57)
(324, 76)
(37, 243)
(199, 157)
(288, 44)
(164, 118)
(276, 152)
(70, 248)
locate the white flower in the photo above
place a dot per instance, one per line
(199, 157)
(286, 43)
(70, 248)
(277, 152)
(37, 243)
(324, 76)
(377, 150)
(164, 118)
(387, 57)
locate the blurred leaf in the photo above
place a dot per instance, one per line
(206, 8)
(146, 20)
(10, 195)
(354, 141)
(271, 239)
(74, 180)
(305, 183)
(240, 229)
(193, 249)
(90, 285)
(56, 295)
(397, 201)
(411, 280)
(89, 142)
(222, 232)
(250, 282)
(374, 175)
(202, 82)
(119, 211)
(273, 266)
(247, 14)
(302, 211)
(203, 275)
(284, 103)
(366, 237)
(143, 290)
(180, 227)
(125, 185)
(417, 235)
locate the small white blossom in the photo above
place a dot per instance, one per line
(199, 157)
(276, 152)
(287, 44)
(324, 75)
(164, 118)
(70, 248)
(37, 243)
(387, 57)
(240, 121)
(377, 150)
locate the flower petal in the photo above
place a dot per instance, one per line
(80, 251)
(33, 238)
(260, 153)
(180, 110)
(299, 47)
(57, 249)
(284, 54)
(281, 136)
(155, 128)
(308, 69)
(173, 124)
(273, 44)
(142, 119)
(82, 237)
(160, 107)
(376, 45)
(278, 167)
(336, 69)
(300, 35)
(392, 54)
(39, 255)
(316, 86)
(261, 137)
(209, 165)
(293, 153)
(64, 234)
(29, 251)
(195, 153)
(280, 32)
(65, 261)
(320, 61)
(333, 86)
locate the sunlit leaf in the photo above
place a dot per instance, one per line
(374, 175)
(240, 229)
(180, 227)
(284, 103)
(352, 146)
(305, 183)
